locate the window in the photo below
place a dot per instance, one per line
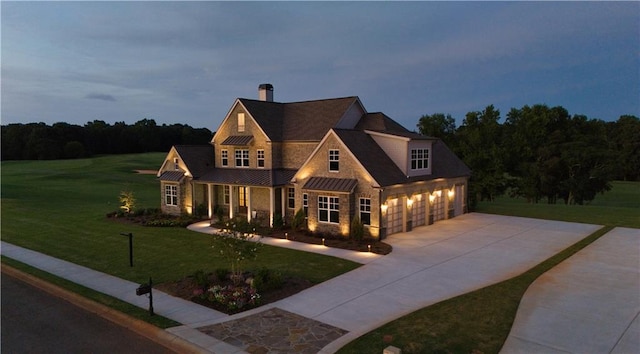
(365, 211)
(419, 159)
(171, 194)
(226, 193)
(305, 203)
(291, 198)
(240, 122)
(176, 165)
(225, 157)
(329, 209)
(260, 154)
(334, 160)
(242, 158)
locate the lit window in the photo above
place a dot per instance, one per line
(171, 194)
(240, 122)
(329, 209)
(419, 159)
(242, 158)
(227, 194)
(260, 154)
(365, 211)
(334, 160)
(225, 157)
(291, 198)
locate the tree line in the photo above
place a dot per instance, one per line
(39, 141)
(540, 153)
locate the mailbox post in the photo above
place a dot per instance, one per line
(147, 289)
(130, 235)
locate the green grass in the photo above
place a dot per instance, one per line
(131, 310)
(618, 207)
(59, 208)
(480, 321)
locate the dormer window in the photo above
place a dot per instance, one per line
(419, 159)
(241, 125)
(334, 160)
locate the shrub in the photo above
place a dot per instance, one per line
(278, 222)
(266, 280)
(234, 297)
(201, 279)
(298, 219)
(357, 229)
(221, 274)
(127, 201)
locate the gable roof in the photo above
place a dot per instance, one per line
(199, 159)
(381, 123)
(298, 121)
(445, 164)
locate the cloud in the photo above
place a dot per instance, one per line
(100, 96)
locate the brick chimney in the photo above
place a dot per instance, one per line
(265, 92)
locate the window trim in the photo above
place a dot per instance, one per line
(305, 204)
(171, 194)
(291, 198)
(244, 160)
(365, 208)
(260, 159)
(334, 158)
(226, 194)
(241, 123)
(224, 157)
(418, 163)
(331, 205)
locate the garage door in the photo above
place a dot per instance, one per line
(438, 206)
(419, 210)
(394, 216)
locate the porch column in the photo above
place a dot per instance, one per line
(248, 196)
(271, 206)
(231, 194)
(445, 195)
(210, 200)
(283, 202)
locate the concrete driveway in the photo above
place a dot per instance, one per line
(589, 303)
(428, 265)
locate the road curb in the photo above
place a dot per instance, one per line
(140, 327)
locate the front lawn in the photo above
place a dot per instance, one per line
(60, 207)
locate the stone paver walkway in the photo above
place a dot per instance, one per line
(275, 331)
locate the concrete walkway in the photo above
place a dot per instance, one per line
(427, 265)
(588, 304)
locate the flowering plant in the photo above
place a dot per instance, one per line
(233, 297)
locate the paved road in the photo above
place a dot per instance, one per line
(34, 321)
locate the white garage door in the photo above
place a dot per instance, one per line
(394, 216)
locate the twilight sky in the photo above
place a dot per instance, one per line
(186, 62)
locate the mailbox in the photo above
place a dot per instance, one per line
(143, 289)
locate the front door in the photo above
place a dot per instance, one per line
(242, 200)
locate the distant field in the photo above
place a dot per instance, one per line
(618, 207)
(59, 208)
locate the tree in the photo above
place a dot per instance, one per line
(237, 248)
(438, 125)
(479, 146)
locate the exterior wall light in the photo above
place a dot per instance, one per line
(384, 208)
(451, 193)
(409, 202)
(438, 193)
(432, 198)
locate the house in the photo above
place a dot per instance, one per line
(331, 158)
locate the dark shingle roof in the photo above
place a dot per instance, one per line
(380, 166)
(380, 122)
(242, 140)
(172, 176)
(198, 158)
(250, 177)
(299, 121)
(346, 185)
